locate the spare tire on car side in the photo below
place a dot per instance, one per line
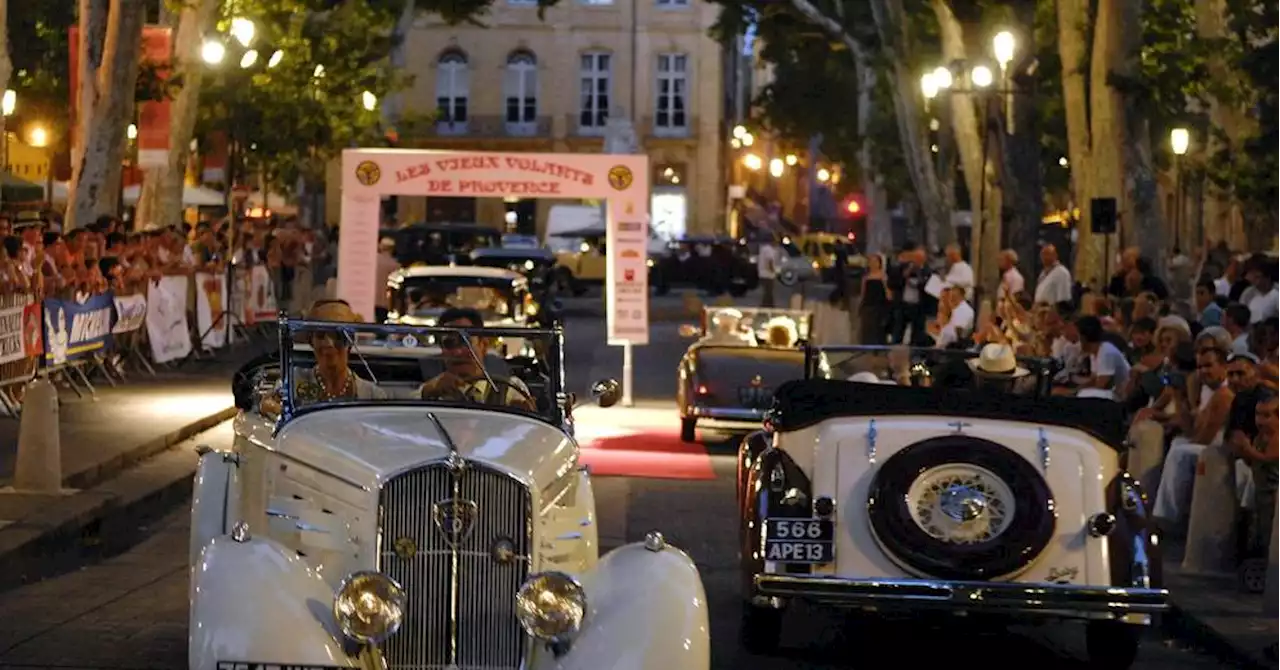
(958, 479)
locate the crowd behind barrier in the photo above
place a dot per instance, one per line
(94, 303)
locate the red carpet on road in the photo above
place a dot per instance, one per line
(634, 451)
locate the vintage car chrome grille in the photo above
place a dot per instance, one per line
(460, 612)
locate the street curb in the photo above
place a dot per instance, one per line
(1181, 623)
(87, 479)
(90, 521)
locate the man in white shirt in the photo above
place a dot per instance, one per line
(387, 264)
(959, 273)
(1054, 285)
(1109, 369)
(960, 325)
(1261, 297)
(767, 261)
(1011, 281)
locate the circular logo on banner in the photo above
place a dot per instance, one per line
(368, 173)
(620, 177)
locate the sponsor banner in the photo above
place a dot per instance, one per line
(131, 313)
(211, 292)
(12, 347)
(74, 329)
(153, 115)
(261, 302)
(32, 329)
(167, 319)
(627, 273)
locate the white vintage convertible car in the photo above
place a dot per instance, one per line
(424, 534)
(951, 498)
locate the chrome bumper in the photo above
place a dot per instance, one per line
(1008, 598)
(726, 414)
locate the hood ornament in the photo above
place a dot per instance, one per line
(454, 518)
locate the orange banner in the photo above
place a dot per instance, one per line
(153, 116)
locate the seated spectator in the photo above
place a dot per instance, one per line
(1261, 297)
(1208, 311)
(1261, 454)
(1206, 425)
(1109, 369)
(1236, 319)
(1142, 343)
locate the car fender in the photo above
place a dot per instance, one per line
(648, 611)
(258, 602)
(214, 499)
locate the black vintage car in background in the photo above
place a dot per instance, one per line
(441, 243)
(711, 263)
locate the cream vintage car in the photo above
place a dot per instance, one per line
(409, 533)
(962, 497)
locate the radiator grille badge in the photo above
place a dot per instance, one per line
(454, 518)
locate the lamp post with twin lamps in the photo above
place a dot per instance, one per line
(978, 80)
(1179, 142)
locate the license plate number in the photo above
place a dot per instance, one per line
(799, 540)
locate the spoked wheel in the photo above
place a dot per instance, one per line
(1111, 645)
(788, 278)
(688, 430)
(761, 628)
(1253, 575)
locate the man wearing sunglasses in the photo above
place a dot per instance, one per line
(465, 376)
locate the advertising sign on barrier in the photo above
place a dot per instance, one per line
(262, 296)
(131, 313)
(11, 342)
(74, 329)
(167, 319)
(32, 329)
(210, 292)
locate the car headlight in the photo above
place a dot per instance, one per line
(551, 606)
(369, 607)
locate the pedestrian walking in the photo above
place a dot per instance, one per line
(767, 262)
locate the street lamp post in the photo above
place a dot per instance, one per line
(1179, 141)
(980, 82)
(38, 136)
(8, 102)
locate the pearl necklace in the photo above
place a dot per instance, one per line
(324, 389)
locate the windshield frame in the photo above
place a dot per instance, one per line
(289, 328)
(815, 358)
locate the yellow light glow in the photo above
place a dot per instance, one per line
(791, 159)
(824, 175)
(752, 162)
(776, 167)
(39, 136)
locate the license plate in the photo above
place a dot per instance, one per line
(754, 397)
(799, 540)
(240, 665)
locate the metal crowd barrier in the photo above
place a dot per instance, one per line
(130, 352)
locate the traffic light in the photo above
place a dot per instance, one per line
(852, 208)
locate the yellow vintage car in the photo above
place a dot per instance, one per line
(821, 248)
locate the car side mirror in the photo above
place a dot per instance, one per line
(689, 330)
(606, 392)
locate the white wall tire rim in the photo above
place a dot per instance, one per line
(960, 503)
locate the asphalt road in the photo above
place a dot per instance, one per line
(130, 610)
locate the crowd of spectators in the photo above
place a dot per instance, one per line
(1194, 356)
(38, 258)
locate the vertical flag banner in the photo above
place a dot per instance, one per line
(153, 115)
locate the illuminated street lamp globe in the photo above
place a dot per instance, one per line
(981, 76)
(942, 78)
(213, 52)
(39, 137)
(1179, 141)
(369, 100)
(1003, 46)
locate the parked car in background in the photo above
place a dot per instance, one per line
(442, 243)
(407, 533)
(711, 263)
(727, 377)
(974, 494)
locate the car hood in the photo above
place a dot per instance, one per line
(368, 445)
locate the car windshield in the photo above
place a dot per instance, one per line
(326, 363)
(754, 327)
(428, 296)
(926, 367)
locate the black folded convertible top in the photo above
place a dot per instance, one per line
(802, 403)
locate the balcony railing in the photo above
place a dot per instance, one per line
(645, 127)
(491, 126)
(650, 128)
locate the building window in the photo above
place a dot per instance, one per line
(521, 91)
(523, 3)
(452, 86)
(672, 3)
(673, 89)
(594, 75)
(599, 3)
